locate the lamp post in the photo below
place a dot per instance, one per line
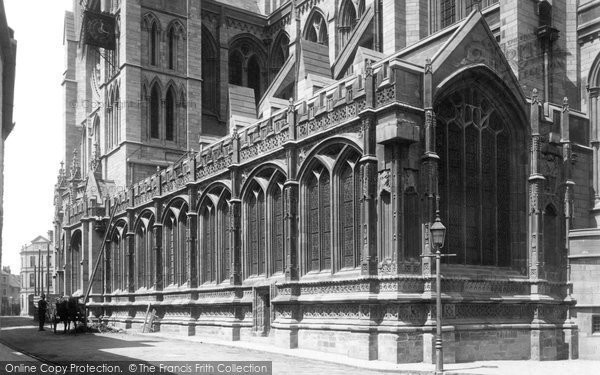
(438, 234)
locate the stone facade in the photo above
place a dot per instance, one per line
(38, 272)
(267, 169)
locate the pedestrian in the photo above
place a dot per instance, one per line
(42, 307)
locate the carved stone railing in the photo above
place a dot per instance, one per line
(264, 137)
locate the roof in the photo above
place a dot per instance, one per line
(249, 5)
(40, 239)
(315, 58)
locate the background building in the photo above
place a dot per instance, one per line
(273, 169)
(10, 287)
(8, 50)
(37, 271)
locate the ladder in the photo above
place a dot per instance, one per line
(97, 264)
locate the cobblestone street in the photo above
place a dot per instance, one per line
(20, 334)
(24, 342)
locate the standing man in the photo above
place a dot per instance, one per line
(42, 307)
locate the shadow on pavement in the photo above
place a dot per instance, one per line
(21, 333)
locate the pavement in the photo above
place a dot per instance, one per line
(21, 341)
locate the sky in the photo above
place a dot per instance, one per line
(32, 155)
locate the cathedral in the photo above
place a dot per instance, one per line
(273, 169)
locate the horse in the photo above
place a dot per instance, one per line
(68, 310)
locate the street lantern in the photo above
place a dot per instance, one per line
(438, 232)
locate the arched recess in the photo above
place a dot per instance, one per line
(152, 29)
(175, 247)
(248, 63)
(117, 270)
(214, 260)
(116, 121)
(154, 111)
(76, 256)
(263, 213)
(329, 208)
(348, 19)
(171, 113)
(145, 256)
(210, 73)
(279, 52)
(481, 138)
(176, 53)
(95, 139)
(315, 29)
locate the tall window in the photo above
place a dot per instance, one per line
(207, 248)
(210, 72)
(154, 44)
(236, 68)
(214, 236)
(172, 38)
(256, 231)
(446, 12)
(224, 240)
(182, 271)
(154, 112)
(144, 254)
(316, 29)
(76, 259)
(170, 246)
(277, 224)
(170, 118)
(349, 213)
(254, 77)
(246, 62)
(474, 180)
(319, 219)
(348, 21)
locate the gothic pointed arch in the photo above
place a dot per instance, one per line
(214, 260)
(481, 136)
(145, 256)
(117, 257)
(75, 260)
(175, 257)
(175, 44)
(315, 29)
(248, 63)
(152, 26)
(154, 110)
(279, 52)
(348, 18)
(170, 113)
(210, 72)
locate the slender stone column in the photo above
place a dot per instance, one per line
(107, 268)
(85, 254)
(192, 235)
(429, 165)
(157, 232)
(130, 261)
(235, 216)
(536, 181)
(290, 191)
(67, 263)
(291, 200)
(368, 168)
(594, 93)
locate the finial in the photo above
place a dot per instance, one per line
(565, 103)
(428, 68)
(534, 96)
